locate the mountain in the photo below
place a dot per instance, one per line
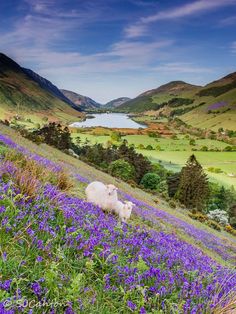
(81, 102)
(116, 102)
(154, 98)
(47, 85)
(174, 87)
(212, 106)
(27, 94)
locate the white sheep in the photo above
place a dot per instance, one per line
(123, 210)
(102, 195)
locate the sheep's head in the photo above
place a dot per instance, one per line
(129, 206)
(111, 189)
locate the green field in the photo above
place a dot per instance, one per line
(174, 153)
(174, 160)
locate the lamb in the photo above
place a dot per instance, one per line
(123, 210)
(102, 195)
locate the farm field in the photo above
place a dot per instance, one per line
(174, 153)
(175, 160)
(165, 143)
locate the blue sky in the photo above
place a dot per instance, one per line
(113, 48)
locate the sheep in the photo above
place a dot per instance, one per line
(123, 210)
(104, 196)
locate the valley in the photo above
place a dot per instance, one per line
(170, 152)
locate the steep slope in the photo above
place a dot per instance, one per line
(24, 93)
(80, 101)
(174, 87)
(212, 106)
(156, 98)
(47, 85)
(117, 102)
(71, 246)
(219, 105)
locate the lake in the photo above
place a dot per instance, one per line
(109, 120)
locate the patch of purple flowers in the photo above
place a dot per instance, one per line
(129, 257)
(217, 105)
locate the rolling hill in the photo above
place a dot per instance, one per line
(211, 106)
(81, 102)
(28, 95)
(117, 102)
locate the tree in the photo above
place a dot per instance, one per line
(122, 169)
(160, 170)
(232, 216)
(173, 183)
(228, 149)
(65, 139)
(222, 199)
(141, 146)
(193, 190)
(150, 180)
(141, 164)
(192, 142)
(78, 140)
(116, 136)
(204, 149)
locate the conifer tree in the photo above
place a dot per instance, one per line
(173, 184)
(222, 199)
(193, 188)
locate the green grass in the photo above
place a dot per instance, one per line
(176, 152)
(76, 166)
(198, 116)
(166, 144)
(175, 160)
(171, 144)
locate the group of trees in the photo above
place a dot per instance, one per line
(52, 134)
(121, 161)
(190, 187)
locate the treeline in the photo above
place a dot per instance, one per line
(177, 102)
(217, 90)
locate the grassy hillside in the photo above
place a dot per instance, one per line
(157, 98)
(21, 95)
(116, 102)
(81, 102)
(54, 245)
(212, 106)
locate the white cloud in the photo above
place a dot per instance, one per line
(135, 30)
(231, 20)
(181, 67)
(121, 56)
(233, 47)
(189, 9)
